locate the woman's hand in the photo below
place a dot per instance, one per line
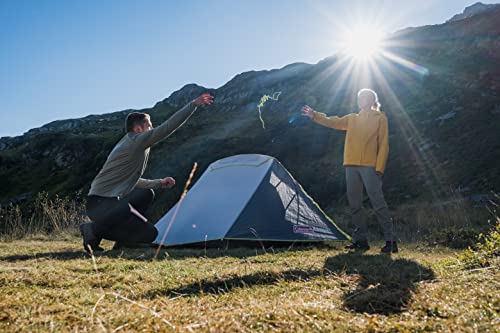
(308, 112)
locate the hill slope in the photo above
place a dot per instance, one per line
(444, 123)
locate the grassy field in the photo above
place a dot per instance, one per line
(54, 286)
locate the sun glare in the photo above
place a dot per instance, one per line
(362, 43)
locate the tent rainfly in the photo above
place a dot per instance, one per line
(246, 198)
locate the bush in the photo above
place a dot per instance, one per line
(487, 250)
(453, 237)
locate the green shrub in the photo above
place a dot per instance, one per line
(454, 237)
(487, 250)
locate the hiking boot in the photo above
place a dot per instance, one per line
(358, 246)
(90, 241)
(390, 247)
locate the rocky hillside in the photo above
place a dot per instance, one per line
(444, 119)
(473, 10)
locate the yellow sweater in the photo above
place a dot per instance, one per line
(367, 139)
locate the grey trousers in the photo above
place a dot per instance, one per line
(356, 177)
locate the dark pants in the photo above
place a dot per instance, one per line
(112, 218)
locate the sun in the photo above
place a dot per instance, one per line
(362, 43)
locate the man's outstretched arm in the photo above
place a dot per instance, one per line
(149, 138)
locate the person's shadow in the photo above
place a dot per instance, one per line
(385, 284)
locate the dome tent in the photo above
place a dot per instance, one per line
(246, 198)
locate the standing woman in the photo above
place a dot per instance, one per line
(365, 156)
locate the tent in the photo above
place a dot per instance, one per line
(246, 198)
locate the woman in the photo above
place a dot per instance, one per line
(365, 156)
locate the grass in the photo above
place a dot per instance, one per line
(46, 216)
(53, 286)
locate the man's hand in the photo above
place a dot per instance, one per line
(308, 112)
(167, 182)
(380, 174)
(205, 99)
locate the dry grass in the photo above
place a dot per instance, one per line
(53, 286)
(46, 216)
(420, 220)
(454, 223)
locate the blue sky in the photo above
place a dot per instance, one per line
(67, 59)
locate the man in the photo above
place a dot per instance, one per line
(118, 197)
(365, 156)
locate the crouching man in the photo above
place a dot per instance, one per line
(118, 196)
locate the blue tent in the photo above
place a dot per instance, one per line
(246, 198)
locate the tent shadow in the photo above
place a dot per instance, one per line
(147, 254)
(143, 254)
(385, 285)
(60, 255)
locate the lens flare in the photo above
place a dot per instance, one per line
(362, 43)
(423, 71)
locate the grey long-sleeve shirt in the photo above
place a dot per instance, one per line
(126, 163)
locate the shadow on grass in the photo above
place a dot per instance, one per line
(60, 255)
(228, 283)
(384, 285)
(148, 253)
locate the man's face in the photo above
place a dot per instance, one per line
(146, 126)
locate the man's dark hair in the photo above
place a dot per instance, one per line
(135, 118)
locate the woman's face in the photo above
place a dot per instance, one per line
(366, 100)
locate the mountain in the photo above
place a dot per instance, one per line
(473, 10)
(441, 94)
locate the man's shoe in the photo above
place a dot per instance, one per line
(390, 247)
(358, 246)
(90, 241)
